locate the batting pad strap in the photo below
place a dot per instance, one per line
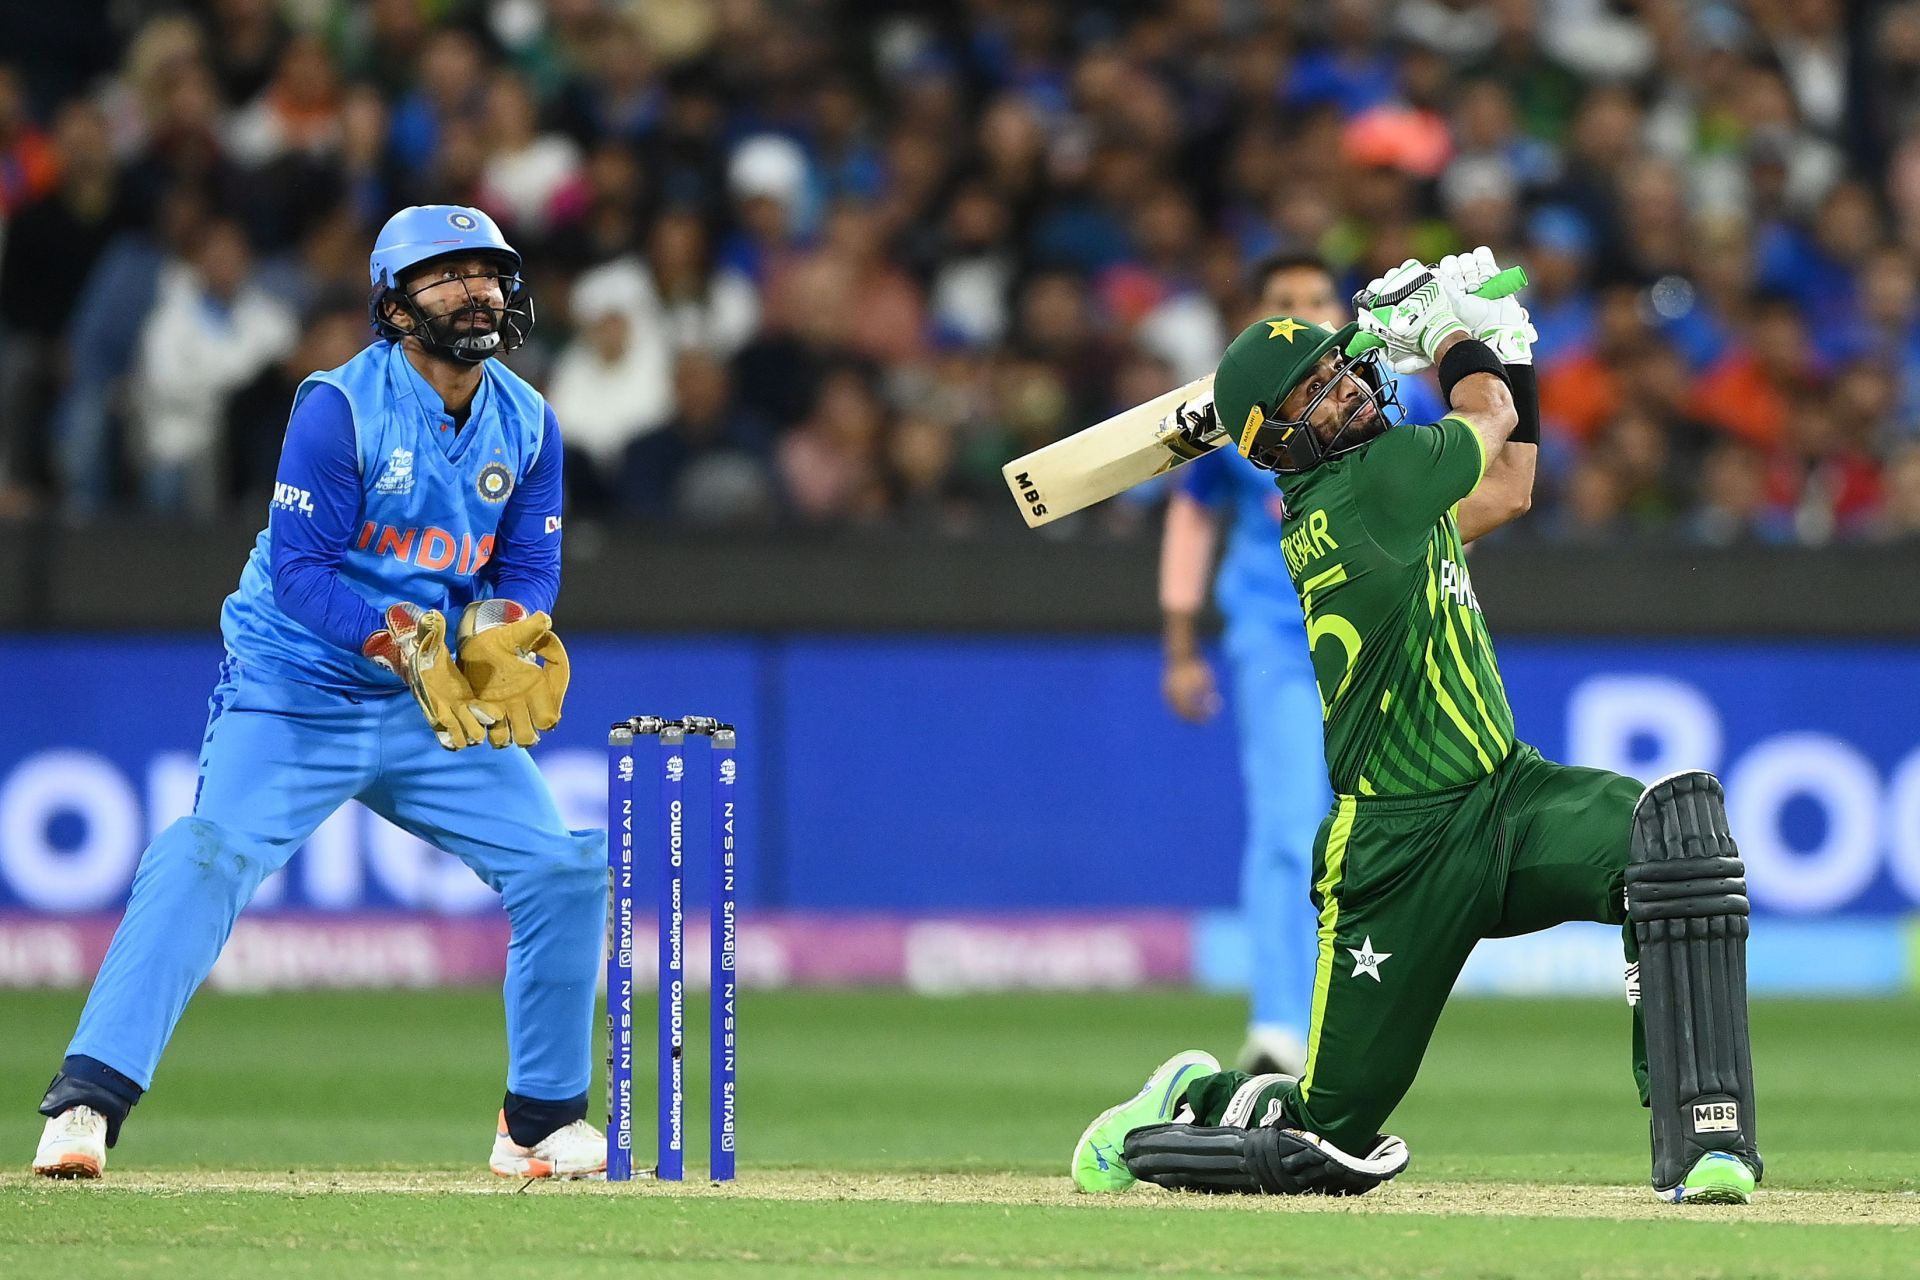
(1687, 888)
(1240, 1106)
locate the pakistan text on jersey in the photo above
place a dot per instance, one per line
(429, 548)
(1457, 586)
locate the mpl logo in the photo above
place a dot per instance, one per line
(626, 768)
(1716, 1117)
(288, 498)
(728, 771)
(676, 768)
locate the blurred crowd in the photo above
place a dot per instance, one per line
(802, 263)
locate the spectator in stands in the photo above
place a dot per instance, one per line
(1581, 391)
(247, 39)
(532, 180)
(775, 202)
(1898, 519)
(1732, 506)
(451, 88)
(1888, 329)
(29, 165)
(48, 249)
(298, 111)
(1637, 446)
(1014, 218)
(103, 343)
(612, 382)
(701, 305)
(1747, 391)
(1593, 508)
(831, 464)
(212, 330)
(711, 463)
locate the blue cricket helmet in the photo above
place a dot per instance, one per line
(427, 231)
(419, 234)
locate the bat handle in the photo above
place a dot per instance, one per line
(1504, 284)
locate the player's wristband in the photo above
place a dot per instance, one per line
(1526, 403)
(1465, 358)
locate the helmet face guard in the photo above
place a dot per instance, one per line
(444, 335)
(1290, 446)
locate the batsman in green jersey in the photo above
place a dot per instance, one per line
(1445, 828)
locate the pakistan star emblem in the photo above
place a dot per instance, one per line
(1284, 328)
(1366, 960)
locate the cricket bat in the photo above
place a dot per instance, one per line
(1137, 444)
(1131, 447)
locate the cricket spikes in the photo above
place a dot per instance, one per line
(577, 1150)
(72, 1145)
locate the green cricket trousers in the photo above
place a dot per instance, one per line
(1405, 886)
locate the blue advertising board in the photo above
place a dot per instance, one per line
(959, 774)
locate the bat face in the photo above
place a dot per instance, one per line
(1107, 458)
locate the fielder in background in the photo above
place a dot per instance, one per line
(1276, 708)
(418, 481)
(1445, 828)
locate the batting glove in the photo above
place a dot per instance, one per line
(1416, 320)
(1194, 418)
(1501, 323)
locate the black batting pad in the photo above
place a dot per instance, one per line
(1687, 899)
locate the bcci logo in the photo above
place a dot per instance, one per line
(676, 768)
(727, 771)
(626, 768)
(495, 482)
(463, 221)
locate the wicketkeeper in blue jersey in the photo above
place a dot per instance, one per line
(419, 482)
(1275, 702)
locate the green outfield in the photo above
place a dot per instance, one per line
(884, 1134)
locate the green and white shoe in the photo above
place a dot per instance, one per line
(1096, 1157)
(1718, 1177)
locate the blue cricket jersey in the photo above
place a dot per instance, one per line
(380, 499)
(1253, 583)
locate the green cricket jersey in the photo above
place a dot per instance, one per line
(1409, 689)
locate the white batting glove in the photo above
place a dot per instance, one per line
(1501, 323)
(1412, 327)
(1194, 417)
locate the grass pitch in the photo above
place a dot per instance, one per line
(889, 1135)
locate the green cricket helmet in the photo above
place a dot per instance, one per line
(1269, 359)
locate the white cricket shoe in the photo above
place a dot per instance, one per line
(577, 1151)
(73, 1145)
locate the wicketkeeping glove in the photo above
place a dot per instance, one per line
(1501, 323)
(413, 646)
(515, 663)
(1408, 309)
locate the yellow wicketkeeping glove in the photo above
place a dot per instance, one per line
(414, 647)
(514, 662)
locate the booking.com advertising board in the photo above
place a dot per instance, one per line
(968, 812)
